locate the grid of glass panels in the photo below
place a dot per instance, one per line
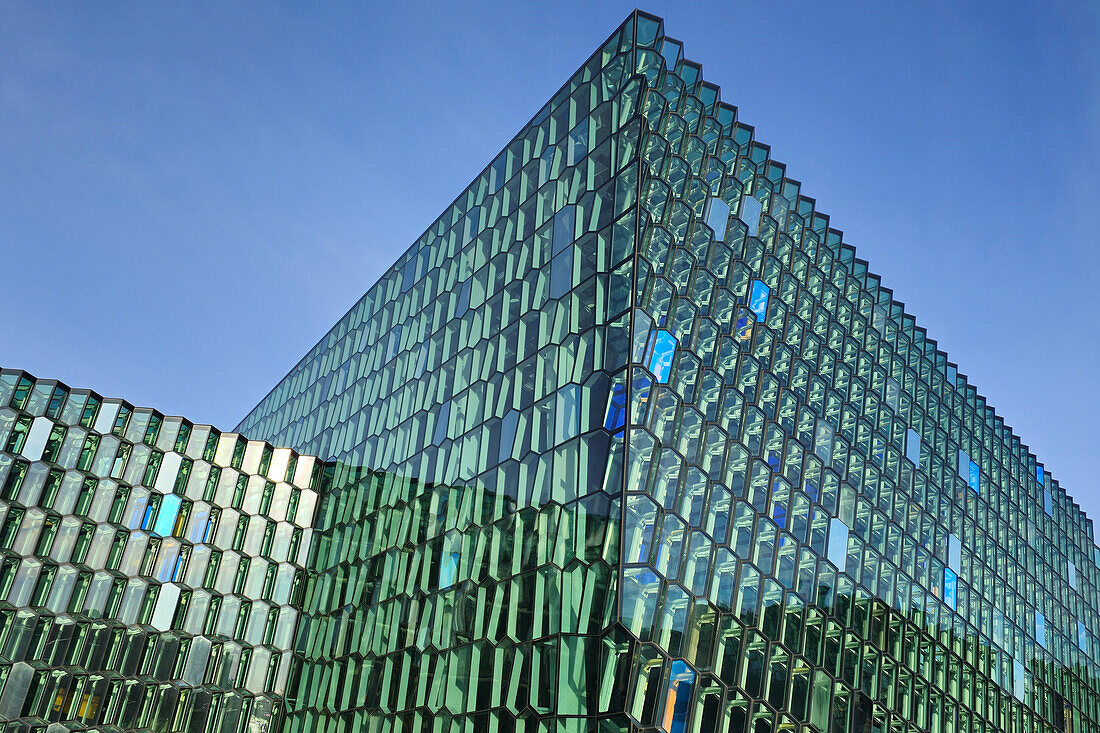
(435, 608)
(824, 527)
(466, 578)
(150, 569)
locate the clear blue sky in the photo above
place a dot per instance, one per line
(191, 194)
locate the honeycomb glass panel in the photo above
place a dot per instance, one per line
(107, 576)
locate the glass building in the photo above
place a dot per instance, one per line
(150, 569)
(628, 440)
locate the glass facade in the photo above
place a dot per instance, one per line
(151, 570)
(466, 569)
(629, 439)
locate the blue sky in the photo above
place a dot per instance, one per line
(190, 195)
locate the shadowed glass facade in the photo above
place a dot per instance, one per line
(628, 440)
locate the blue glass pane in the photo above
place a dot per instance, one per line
(1041, 629)
(718, 215)
(166, 518)
(147, 517)
(414, 269)
(975, 477)
(578, 142)
(177, 571)
(616, 408)
(508, 425)
(912, 447)
(449, 571)
(408, 274)
(1039, 475)
(561, 274)
(1048, 502)
(779, 512)
(954, 553)
(647, 540)
(394, 343)
(950, 588)
(1019, 679)
(546, 163)
(758, 300)
(497, 173)
(463, 298)
(838, 543)
(964, 465)
(681, 682)
(470, 224)
(442, 419)
(750, 214)
(1082, 637)
(661, 351)
(564, 227)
